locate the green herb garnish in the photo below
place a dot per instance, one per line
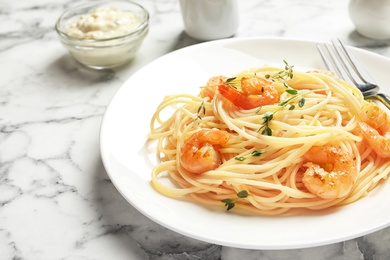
(230, 203)
(201, 110)
(287, 73)
(295, 95)
(268, 116)
(255, 153)
(234, 82)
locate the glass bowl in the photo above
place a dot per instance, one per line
(100, 44)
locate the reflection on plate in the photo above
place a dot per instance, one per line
(129, 159)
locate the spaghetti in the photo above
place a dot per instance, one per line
(262, 166)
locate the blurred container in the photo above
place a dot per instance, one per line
(109, 51)
(210, 19)
(371, 18)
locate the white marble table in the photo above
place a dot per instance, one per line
(56, 200)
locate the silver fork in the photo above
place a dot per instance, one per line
(338, 59)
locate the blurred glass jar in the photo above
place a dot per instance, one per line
(371, 17)
(109, 50)
(210, 19)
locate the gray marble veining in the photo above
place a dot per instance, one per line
(56, 200)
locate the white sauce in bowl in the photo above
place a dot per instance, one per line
(103, 23)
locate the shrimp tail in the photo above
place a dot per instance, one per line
(200, 151)
(380, 144)
(255, 92)
(375, 127)
(331, 172)
(229, 92)
(239, 99)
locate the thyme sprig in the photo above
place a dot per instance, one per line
(268, 116)
(295, 95)
(265, 129)
(231, 203)
(286, 74)
(255, 153)
(201, 110)
(233, 81)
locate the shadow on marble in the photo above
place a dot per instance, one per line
(363, 42)
(184, 40)
(67, 66)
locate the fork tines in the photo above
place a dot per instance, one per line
(339, 59)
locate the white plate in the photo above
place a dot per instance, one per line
(129, 161)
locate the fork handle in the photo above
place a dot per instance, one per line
(385, 99)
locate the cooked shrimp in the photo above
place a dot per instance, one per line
(255, 92)
(331, 172)
(375, 127)
(212, 84)
(199, 152)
